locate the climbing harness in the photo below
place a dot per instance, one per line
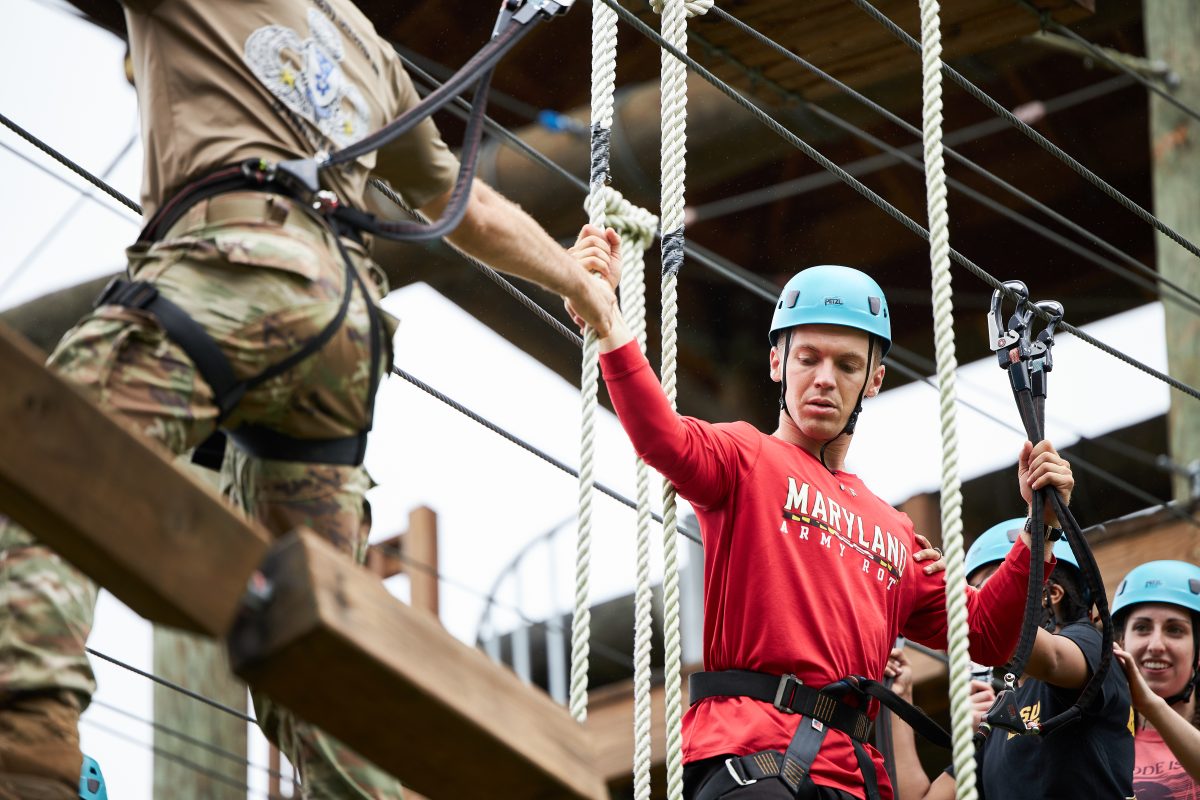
(258, 176)
(1028, 360)
(820, 710)
(298, 180)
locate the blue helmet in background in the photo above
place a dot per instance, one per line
(1176, 583)
(91, 781)
(993, 545)
(833, 295)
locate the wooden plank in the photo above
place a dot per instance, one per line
(394, 685)
(113, 504)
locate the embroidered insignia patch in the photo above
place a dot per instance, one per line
(307, 77)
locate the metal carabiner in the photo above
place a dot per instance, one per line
(522, 11)
(1041, 356)
(1004, 337)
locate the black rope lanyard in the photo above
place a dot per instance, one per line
(1029, 361)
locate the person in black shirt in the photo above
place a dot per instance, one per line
(1090, 758)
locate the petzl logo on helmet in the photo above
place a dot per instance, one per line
(833, 301)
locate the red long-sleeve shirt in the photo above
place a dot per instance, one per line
(805, 572)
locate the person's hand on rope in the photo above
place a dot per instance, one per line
(599, 253)
(900, 671)
(929, 553)
(1039, 467)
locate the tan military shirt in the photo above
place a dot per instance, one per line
(219, 81)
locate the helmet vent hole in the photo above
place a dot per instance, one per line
(1194, 585)
(876, 305)
(791, 298)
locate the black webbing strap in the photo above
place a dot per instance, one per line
(204, 352)
(262, 442)
(787, 693)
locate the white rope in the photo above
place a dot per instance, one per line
(604, 70)
(673, 165)
(943, 330)
(637, 227)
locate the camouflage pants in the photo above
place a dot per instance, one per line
(263, 278)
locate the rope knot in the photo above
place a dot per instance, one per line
(695, 8)
(635, 224)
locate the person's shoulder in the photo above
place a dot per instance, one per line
(1083, 633)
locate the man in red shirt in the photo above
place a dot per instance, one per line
(808, 575)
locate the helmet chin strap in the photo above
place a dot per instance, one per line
(848, 429)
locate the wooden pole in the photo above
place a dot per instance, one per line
(201, 665)
(1173, 35)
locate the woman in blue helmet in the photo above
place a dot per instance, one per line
(1091, 758)
(808, 575)
(1156, 611)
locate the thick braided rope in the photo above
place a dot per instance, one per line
(673, 166)
(943, 322)
(637, 228)
(604, 71)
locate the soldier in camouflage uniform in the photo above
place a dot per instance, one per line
(263, 277)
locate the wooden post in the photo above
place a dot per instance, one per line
(420, 546)
(415, 553)
(1173, 35)
(201, 665)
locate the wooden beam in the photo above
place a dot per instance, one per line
(111, 502)
(398, 688)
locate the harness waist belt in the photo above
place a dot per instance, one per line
(263, 442)
(786, 693)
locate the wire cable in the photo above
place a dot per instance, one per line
(187, 763)
(233, 712)
(542, 454)
(192, 740)
(69, 164)
(898, 153)
(874, 197)
(73, 187)
(1042, 141)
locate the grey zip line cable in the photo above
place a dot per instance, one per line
(1150, 274)
(183, 761)
(819, 180)
(233, 712)
(889, 209)
(69, 164)
(1099, 53)
(52, 174)
(706, 258)
(1042, 141)
(34, 252)
(524, 445)
(220, 752)
(698, 254)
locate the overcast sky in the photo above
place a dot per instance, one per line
(65, 84)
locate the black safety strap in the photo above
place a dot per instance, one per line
(1028, 363)
(204, 352)
(820, 711)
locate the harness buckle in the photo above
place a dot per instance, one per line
(785, 695)
(738, 772)
(123, 292)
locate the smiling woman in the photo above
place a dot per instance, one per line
(1156, 609)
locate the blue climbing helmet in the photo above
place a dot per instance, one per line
(993, 545)
(91, 781)
(1175, 583)
(833, 295)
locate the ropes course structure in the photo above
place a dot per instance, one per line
(606, 208)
